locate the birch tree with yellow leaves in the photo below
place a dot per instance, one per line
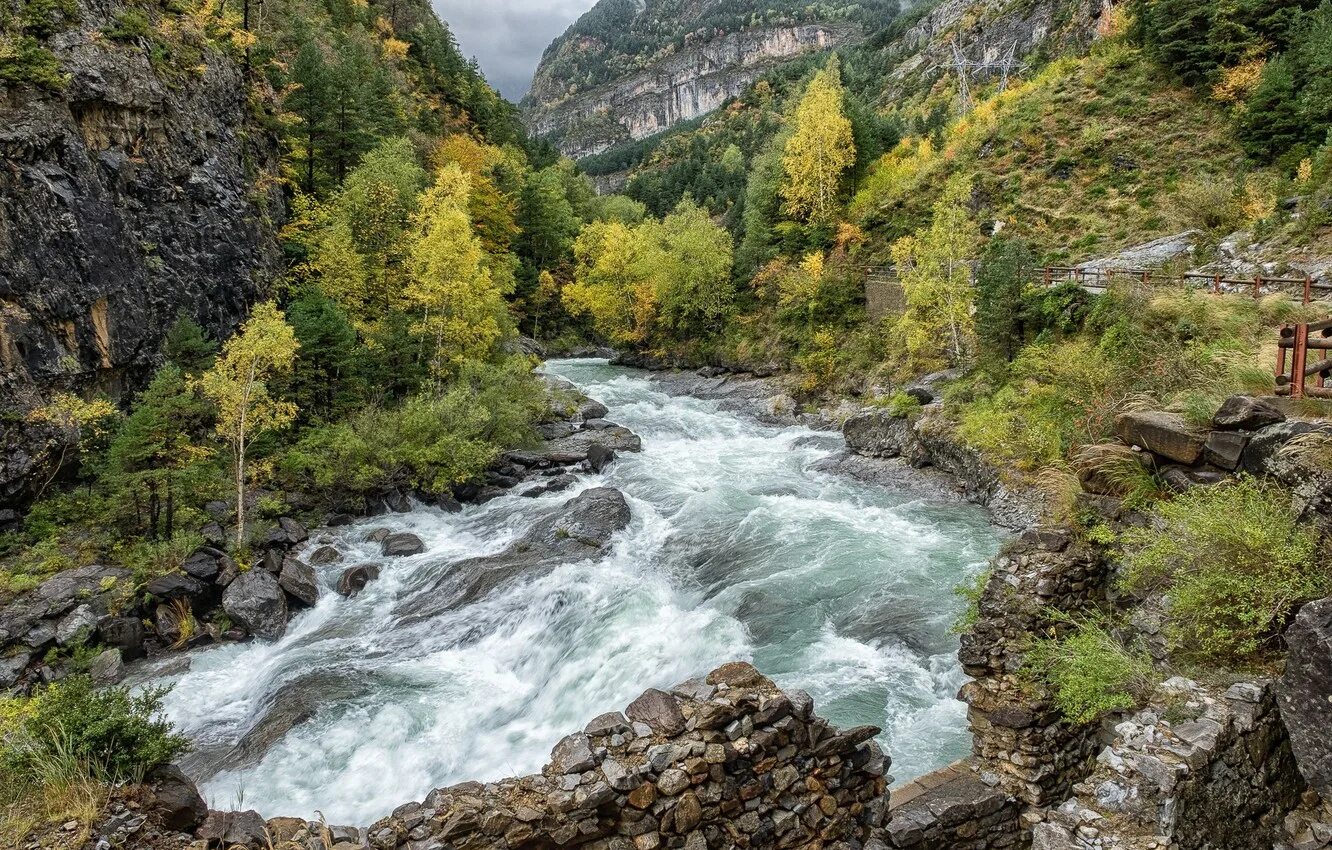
(460, 307)
(819, 151)
(264, 348)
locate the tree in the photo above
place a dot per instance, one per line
(188, 345)
(79, 425)
(612, 283)
(761, 209)
(154, 454)
(310, 101)
(936, 281)
(546, 221)
(693, 271)
(460, 307)
(1001, 279)
(327, 380)
(820, 150)
(263, 349)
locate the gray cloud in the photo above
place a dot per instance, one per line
(508, 36)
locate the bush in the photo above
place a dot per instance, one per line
(1234, 561)
(116, 735)
(432, 441)
(1089, 671)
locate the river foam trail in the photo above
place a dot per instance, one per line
(736, 550)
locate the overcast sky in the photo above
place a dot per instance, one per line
(507, 36)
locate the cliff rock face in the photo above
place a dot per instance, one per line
(626, 71)
(132, 195)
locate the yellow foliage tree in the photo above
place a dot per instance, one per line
(81, 424)
(460, 306)
(611, 282)
(819, 151)
(937, 327)
(265, 347)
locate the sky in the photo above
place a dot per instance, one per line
(507, 36)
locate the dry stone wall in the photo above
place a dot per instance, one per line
(728, 761)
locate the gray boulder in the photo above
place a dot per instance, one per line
(1262, 455)
(581, 529)
(204, 564)
(1303, 693)
(175, 586)
(876, 433)
(107, 668)
(76, 626)
(298, 580)
(354, 579)
(1163, 434)
(124, 633)
(599, 457)
(401, 545)
(1246, 413)
(255, 601)
(175, 799)
(228, 829)
(659, 710)
(325, 555)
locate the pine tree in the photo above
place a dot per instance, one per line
(1001, 279)
(154, 457)
(820, 150)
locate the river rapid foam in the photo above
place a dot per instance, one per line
(736, 549)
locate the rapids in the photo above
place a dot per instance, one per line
(737, 549)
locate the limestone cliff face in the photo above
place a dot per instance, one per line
(128, 197)
(677, 87)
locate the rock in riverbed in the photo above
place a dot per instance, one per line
(581, 529)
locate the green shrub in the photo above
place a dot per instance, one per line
(117, 735)
(130, 24)
(432, 441)
(900, 405)
(970, 592)
(1234, 561)
(1089, 672)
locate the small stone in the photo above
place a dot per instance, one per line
(672, 782)
(659, 710)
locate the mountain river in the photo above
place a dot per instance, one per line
(737, 549)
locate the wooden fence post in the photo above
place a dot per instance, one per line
(1308, 287)
(1297, 361)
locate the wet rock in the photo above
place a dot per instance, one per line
(1303, 693)
(599, 457)
(402, 544)
(354, 579)
(124, 633)
(175, 586)
(204, 564)
(175, 799)
(876, 433)
(226, 829)
(325, 555)
(659, 710)
(582, 528)
(214, 535)
(298, 580)
(255, 601)
(107, 668)
(378, 535)
(592, 409)
(1246, 413)
(1163, 434)
(288, 533)
(574, 448)
(398, 502)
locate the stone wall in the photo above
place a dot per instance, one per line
(1191, 771)
(951, 809)
(1019, 739)
(728, 761)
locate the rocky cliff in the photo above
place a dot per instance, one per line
(136, 192)
(597, 87)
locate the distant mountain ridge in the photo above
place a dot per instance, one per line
(629, 69)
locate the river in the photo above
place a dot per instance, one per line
(737, 549)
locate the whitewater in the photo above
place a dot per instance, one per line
(737, 549)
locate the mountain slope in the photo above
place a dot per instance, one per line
(630, 69)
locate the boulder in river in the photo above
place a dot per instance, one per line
(402, 544)
(231, 829)
(354, 579)
(256, 602)
(298, 580)
(325, 555)
(582, 528)
(599, 457)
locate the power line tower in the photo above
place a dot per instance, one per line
(965, 68)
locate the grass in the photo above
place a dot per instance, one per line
(1234, 561)
(1089, 672)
